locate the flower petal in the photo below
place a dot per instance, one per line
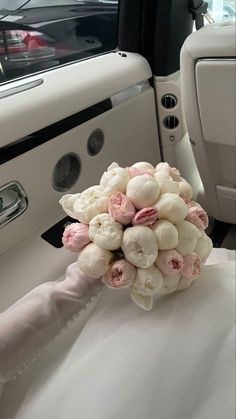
(67, 202)
(145, 302)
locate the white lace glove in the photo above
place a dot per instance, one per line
(32, 322)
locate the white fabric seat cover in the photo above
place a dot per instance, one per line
(116, 361)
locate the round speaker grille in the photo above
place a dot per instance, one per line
(169, 101)
(95, 142)
(66, 172)
(171, 122)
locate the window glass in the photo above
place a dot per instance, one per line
(40, 34)
(7, 6)
(222, 9)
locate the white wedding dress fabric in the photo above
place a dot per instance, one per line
(116, 361)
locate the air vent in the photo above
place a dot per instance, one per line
(169, 101)
(66, 172)
(171, 122)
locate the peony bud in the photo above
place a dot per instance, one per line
(75, 237)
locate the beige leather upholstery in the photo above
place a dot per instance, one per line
(208, 79)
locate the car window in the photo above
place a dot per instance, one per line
(42, 34)
(222, 9)
(49, 3)
(7, 6)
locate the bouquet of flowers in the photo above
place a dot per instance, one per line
(139, 229)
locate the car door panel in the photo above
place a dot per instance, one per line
(67, 90)
(26, 259)
(125, 142)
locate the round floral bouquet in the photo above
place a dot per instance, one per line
(139, 229)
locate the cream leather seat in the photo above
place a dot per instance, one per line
(208, 76)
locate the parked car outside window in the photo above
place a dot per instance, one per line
(40, 34)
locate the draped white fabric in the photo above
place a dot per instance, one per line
(119, 362)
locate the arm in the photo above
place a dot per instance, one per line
(27, 326)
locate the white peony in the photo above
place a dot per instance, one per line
(143, 165)
(186, 190)
(139, 245)
(188, 230)
(184, 283)
(91, 202)
(186, 246)
(67, 202)
(172, 208)
(148, 282)
(188, 236)
(167, 169)
(166, 183)
(115, 179)
(162, 167)
(170, 283)
(113, 165)
(94, 261)
(106, 232)
(143, 191)
(167, 235)
(203, 247)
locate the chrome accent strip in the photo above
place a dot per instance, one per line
(130, 92)
(20, 88)
(218, 59)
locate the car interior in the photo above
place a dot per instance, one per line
(139, 80)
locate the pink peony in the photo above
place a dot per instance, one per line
(146, 216)
(169, 262)
(192, 266)
(121, 274)
(75, 237)
(198, 217)
(121, 208)
(134, 171)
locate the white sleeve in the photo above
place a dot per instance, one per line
(32, 322)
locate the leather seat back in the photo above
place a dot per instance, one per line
(208, 79)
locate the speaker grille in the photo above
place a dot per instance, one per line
(95, 142)
(66, 172)
(171, 122)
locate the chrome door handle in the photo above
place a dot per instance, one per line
(13, 202)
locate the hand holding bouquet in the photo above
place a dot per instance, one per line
(139, 229)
